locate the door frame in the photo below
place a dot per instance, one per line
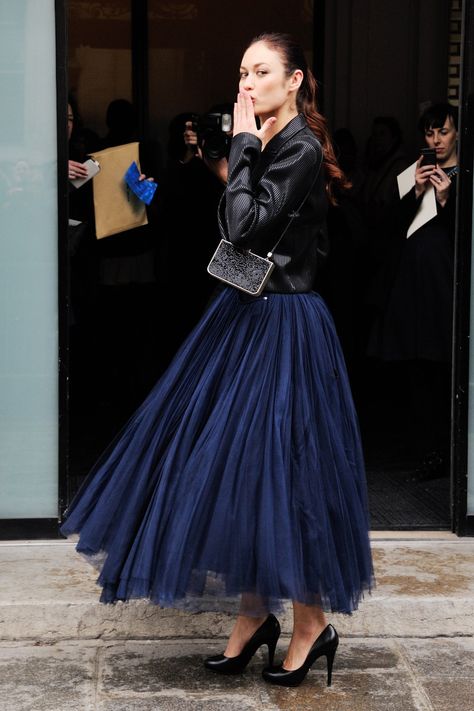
(462, 524)
(37, 528)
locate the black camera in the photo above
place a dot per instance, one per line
(212, 134)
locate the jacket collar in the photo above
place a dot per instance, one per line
(279, 139)
(275, 144)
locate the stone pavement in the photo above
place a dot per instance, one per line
(369, 675)
(410, 647)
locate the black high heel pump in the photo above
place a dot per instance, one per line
(325, 646)
(267, 633)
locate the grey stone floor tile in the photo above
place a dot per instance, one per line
(175, 703)
(450, 694)
(441, 657)
(365, 655)
(157, 667)
(368, 676)
(351, 691)
(47, 678)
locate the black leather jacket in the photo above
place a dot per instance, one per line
(263, 189)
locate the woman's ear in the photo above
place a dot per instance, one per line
(296, 80)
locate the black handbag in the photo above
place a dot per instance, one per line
(242, 268)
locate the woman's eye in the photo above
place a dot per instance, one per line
(261, 73)
(243, 75)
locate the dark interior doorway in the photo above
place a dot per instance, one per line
(395, 74)
(382, 68)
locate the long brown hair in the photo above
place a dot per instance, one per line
(293, 58)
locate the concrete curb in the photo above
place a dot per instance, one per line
(139, 620)
(48, 593)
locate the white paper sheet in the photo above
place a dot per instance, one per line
(406, 180)
(427, 209)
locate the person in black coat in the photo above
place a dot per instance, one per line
(82, 264)
(415, 326)
(130, 315)
(190, 199)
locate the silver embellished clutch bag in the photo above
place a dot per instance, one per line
(240, 268)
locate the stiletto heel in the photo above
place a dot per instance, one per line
(268, 633)
(325, 646)
(271, 651)
(330, 660)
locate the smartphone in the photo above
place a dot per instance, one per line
(92, 169)
(429, 157)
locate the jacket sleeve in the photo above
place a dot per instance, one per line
(251, 212)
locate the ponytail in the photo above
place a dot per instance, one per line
(336, 181)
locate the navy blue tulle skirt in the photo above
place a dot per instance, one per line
(242, 472)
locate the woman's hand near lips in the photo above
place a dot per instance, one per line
(426, 175)
(244, 117)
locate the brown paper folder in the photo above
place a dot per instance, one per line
(116, 207)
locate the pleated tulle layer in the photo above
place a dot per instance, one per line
(242, 471)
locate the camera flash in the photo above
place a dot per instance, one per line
(226, 122)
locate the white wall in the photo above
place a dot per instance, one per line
(28, 262)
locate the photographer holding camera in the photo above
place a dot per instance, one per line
(208, 137)
(196, 179)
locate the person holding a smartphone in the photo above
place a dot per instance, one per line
(438, 161)
(414, 328)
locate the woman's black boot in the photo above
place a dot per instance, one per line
(267, 633)
(325, 646)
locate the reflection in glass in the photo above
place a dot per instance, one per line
(28, 262)
(470, 460)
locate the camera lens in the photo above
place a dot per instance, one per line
(215, 145)
(212, 135)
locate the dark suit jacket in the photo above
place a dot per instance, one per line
(264, 188)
